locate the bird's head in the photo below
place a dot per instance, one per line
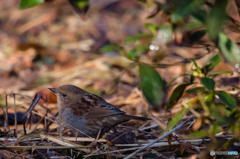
(67, 95)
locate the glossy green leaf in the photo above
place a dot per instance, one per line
(185, 8)
(212, 63)
(195, 90)
(216, 18)
(152, 84)
(227, 99)
(137, 37)
(199, 15)
(208, 83)
(229, 49)
(151, 27)
(25, 4)
(176, 94)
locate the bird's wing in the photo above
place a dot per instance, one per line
(97, 112)
(104, 109)
(93, 106)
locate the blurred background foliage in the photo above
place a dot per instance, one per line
(157, 37)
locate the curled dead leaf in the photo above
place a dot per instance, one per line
(182, 147)
(170, 137)
(197, 124)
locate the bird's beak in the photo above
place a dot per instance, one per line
(53, 89)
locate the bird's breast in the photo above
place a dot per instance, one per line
(71, 121)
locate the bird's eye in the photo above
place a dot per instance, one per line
(64, 95)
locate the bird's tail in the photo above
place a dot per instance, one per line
(137, 118)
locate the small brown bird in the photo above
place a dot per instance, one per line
(88, 113)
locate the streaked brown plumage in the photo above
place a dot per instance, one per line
(86, 112)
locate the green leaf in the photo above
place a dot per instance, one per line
(227, 99)
(131, 55)
(196, 36)
(220, 72)
(212, 63)
(111, 47)
(176, 95)
(185, 8)
(195, 64)
(216, 18)
(80, 7)
(81, 3)
(137, 37)
(192, 78)
(176, 119)
(193, 25)
(229, 49)
(210, 99)
(208, 83)
(199, 15)
(198, 134)
(25, 4)
(220, 109)
(151, 27)
(175, 17)
(222, 120)
(152, 85)
(142, 48)
(195, 90)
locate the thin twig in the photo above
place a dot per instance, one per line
(158, 145)
(15, 113)
(45, 120)
(35, 127)
(41, 147)
(7, 114)
(49, 111)
(122, 150)
(36, 113)
(161, 137)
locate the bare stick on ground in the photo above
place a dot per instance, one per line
(161, 137)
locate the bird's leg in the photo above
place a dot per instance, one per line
(94, 143)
